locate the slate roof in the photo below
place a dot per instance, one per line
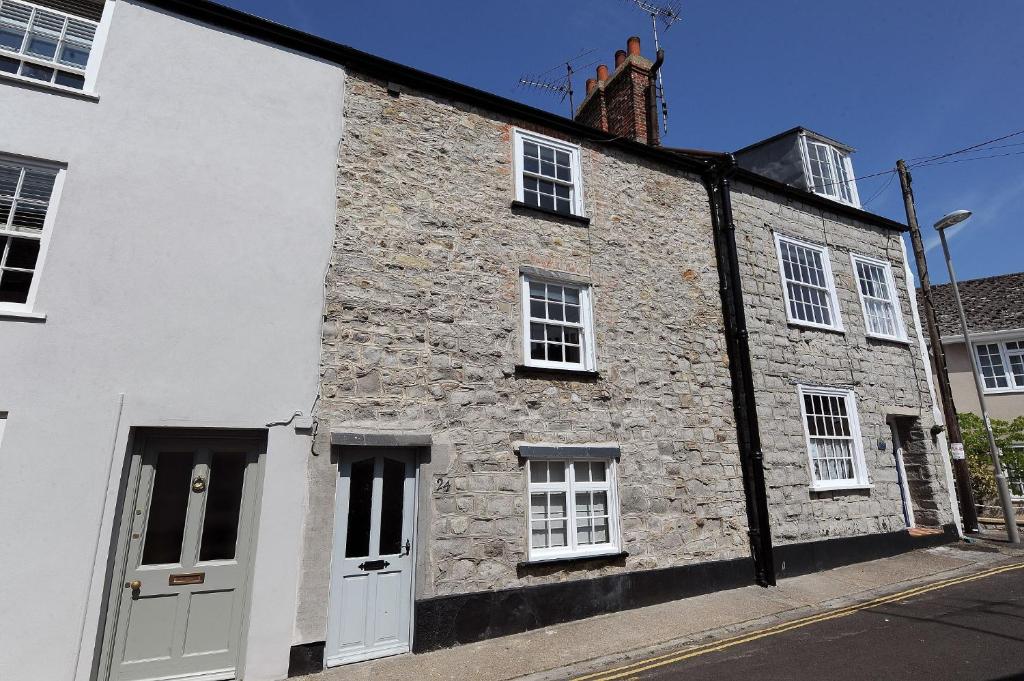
(991, 304)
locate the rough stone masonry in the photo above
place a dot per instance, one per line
(888, 377)
(422, 332)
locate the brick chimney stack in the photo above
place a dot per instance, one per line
(620, 103)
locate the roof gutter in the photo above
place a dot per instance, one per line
(716, 182)
(389, 71)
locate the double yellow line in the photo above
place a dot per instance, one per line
(678, 656)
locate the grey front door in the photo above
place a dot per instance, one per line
(371, 571)
(182, 599)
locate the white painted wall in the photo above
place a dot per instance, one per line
(185, 271)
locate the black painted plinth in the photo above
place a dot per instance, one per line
(792, 560)
(464, 618)
(307, 658)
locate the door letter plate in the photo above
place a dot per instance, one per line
(186, 578)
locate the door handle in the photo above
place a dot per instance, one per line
(408, 548)
(134, 585)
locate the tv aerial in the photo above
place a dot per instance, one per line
(559, 83)
(668, 13)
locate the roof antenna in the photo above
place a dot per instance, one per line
(559, 84)
(669, 13)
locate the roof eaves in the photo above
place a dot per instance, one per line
(368, 64)
(769, 140)
(795, 131)
(819, 201)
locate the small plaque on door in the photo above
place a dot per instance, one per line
(186, 578)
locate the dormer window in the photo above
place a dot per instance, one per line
(830, 171)
(42, 44)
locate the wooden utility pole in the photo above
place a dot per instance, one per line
(968, 511)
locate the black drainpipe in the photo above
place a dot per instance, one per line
(716, 181)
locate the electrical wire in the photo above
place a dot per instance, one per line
(880, 191)
(925, 159)
(961, 160)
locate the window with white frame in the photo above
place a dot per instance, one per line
(832, 431)
(807, 283)
(877, 289)
(1002, 365)
(44, 44)
(573, 509)
(25, 192)
(830, 172)
(557, 325)
(548, 173)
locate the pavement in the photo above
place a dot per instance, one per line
(966, 629)
(627, 639)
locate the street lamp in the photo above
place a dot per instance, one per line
(1009, 516)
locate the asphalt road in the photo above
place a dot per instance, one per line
(962, 632)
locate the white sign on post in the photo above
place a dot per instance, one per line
(957, 450)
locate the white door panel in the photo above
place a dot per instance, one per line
(371, 570)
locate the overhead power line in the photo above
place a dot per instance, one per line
(974, 158)
(928, 161)
(925, 159)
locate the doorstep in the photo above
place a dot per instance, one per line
(577, 647)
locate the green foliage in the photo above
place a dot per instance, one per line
(1008, 433)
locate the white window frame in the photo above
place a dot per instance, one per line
(26, 310)
(1005, 353)
(860, 479)
(570, 487)
(588, 361)
(519, 136)
(95, 47)
(830, 280)
(890, 281)
(837, 156)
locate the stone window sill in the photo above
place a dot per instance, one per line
(547, 212)
(567, 560)
(34, 84)
(802, 326)
(887, 339)
(541, 372)
(851, 487)
(24, 315)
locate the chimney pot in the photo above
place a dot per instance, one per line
(591, 84)
(620, 56)
(633, 45)
(602, 72)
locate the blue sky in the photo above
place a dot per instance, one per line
(906, 79)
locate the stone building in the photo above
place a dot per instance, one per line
(842, 383)
(573, 351)
(556, 369)
(559, 364)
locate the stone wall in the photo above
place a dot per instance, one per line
(888, 377)
(423, 327)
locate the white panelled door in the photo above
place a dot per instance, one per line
(371, 571)
(178, 609)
